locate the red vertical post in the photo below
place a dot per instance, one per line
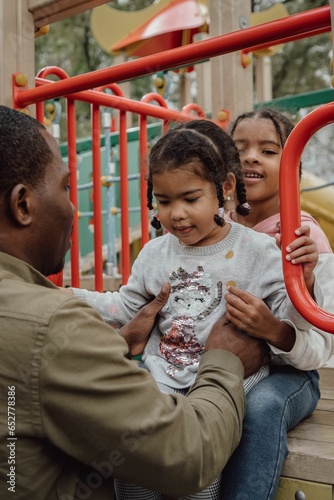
(290, 213)
(152, 96)
(124, 196)
(72, 164)
(97, 199)
(143, 184)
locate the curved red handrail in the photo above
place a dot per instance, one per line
(290, 213)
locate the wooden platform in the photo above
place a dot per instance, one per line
(309, 467)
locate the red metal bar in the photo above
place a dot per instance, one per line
(290, 213)
(72, 165)
(116, 89)
(97, 198)
(40, 112)
(124, 196)
(274, 31)
(152, 96)
(291, 38)
(144, 219)
(124, 104)
(97, 97)
(188, 108)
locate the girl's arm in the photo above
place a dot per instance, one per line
(304, 349)
(121, 306)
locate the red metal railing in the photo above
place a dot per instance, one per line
(143, 154)
(97, 98)
(290, 213)
(79, 87)
(298, 24)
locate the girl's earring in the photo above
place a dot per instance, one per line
(228, 198)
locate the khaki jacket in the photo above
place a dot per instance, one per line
(84, 413)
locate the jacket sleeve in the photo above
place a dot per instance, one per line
(273, 289)
(103, 410)
(313, 348)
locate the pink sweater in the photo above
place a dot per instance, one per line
(271, 226)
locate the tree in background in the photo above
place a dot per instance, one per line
(303, 65)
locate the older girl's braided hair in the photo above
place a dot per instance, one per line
(213, 161)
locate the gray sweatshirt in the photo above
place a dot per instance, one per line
(199, 277)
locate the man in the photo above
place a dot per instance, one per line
(74, 410)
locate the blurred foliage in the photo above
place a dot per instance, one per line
(303, 65)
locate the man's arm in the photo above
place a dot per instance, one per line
(98, 406)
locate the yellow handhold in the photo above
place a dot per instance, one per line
(105, 181)
(44, 30)
(47, 122)
(21, 79)
(246, 60)
(223, 115)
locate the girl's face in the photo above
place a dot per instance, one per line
(187, 205)
(260, 153)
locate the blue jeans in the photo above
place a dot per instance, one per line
(274, 406)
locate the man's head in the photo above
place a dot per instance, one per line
(36, 215)
(23, 151)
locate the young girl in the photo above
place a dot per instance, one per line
(288, 395)
(207, 263)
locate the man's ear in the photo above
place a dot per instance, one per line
(20, 204)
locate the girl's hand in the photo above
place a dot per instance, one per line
(252, 315)
(303, 250)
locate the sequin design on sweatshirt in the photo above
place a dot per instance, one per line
(192, 298)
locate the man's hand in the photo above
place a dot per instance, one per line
(138, 330)
(253, 353)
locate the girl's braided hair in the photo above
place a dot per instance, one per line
(282, 124)
(207, 145)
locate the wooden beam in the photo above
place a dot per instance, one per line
(49, 11)
(17, 45)
(231, 83)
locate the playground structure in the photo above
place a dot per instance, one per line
(79, 88)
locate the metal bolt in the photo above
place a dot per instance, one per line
(243, 23)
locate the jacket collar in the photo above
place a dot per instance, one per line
(11, 265)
